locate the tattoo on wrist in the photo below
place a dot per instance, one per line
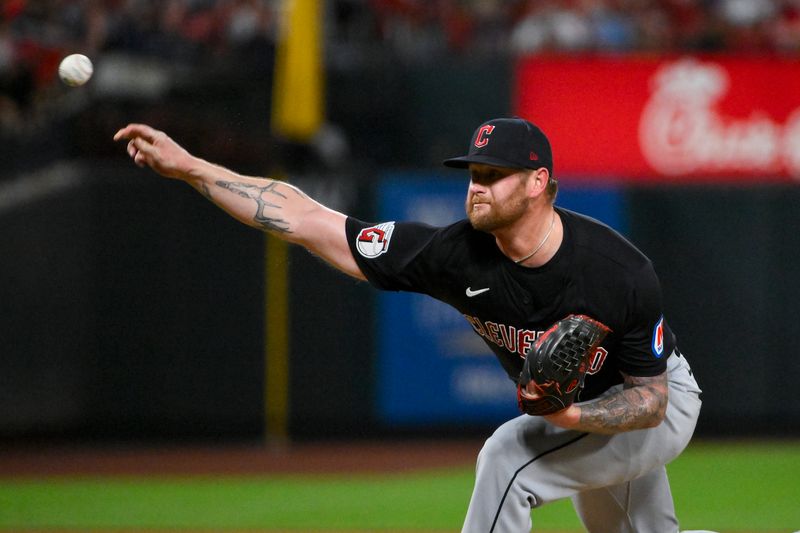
(205, 191)
(265, 210)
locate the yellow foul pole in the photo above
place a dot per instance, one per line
(297, 114)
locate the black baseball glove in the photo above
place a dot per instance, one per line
(557, 364)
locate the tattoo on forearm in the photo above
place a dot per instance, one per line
(265, 210)
(205, 191)
(641, 404)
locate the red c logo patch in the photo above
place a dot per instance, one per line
(482, 139)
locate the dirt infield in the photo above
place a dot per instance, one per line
(361, 457)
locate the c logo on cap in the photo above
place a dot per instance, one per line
(481, 140)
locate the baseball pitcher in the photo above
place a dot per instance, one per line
(570, 308)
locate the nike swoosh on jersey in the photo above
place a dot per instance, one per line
(471, 293)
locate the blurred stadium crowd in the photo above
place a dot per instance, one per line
(36, 34)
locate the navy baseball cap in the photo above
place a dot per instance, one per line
(507, 142)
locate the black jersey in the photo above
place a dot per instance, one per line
(596, 272)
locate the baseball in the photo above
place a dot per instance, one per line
(75, 70)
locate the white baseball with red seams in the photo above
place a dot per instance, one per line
(75, 70)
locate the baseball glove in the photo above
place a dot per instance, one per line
(557, 364)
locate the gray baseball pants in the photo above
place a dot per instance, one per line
(617, 483)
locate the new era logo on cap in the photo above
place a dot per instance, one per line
(507, 142)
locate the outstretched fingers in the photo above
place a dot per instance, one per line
(141, 139)
(150, 147)
(132, 131)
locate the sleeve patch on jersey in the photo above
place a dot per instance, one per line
(374, 241)
(658, 338)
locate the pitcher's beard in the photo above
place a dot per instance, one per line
(497, 215)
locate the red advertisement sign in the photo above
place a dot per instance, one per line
(676, 119)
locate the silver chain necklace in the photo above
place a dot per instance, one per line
(547, 236)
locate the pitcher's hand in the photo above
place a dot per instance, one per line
(566, 418)
(153, 148)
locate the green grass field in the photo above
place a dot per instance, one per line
(727, 487)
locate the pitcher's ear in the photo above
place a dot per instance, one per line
(538, 180)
